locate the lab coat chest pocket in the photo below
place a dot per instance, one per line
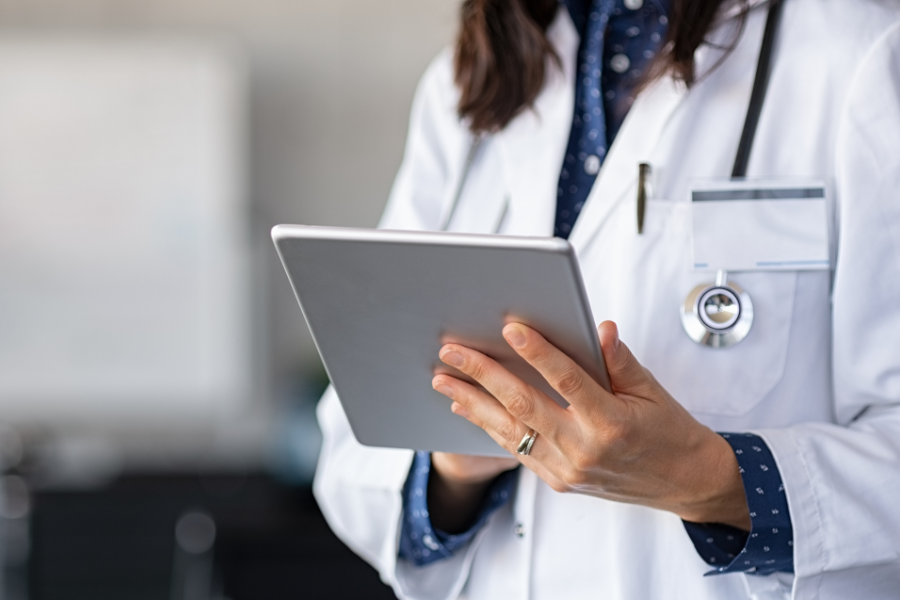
(732, 381)
(655, 267)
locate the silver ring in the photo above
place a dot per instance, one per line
(527, 442)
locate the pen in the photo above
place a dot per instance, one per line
(644, 171)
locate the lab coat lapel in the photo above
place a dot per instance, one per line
(644, 127)
(533, 145)
(532, 151)
(634, 144)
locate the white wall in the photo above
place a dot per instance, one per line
(123, 237)
(330, 89)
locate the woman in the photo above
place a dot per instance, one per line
(633, 494)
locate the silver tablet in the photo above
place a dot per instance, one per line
(380, 304)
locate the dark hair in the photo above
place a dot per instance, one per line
(502, 54)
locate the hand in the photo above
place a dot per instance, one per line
(635, 445)
(457, 485)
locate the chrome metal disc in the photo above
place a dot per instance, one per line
(717, 315)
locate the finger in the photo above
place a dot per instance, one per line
(480, 407)
(484, 410)
(465, 413)
(544, 459)
(626, 374)
(459, 409)
(560, 371)
(549, 477)
(520, 400)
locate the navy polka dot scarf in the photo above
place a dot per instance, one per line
(619, 38)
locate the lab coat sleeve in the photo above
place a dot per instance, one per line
(359, 488)
(843, 480)
(435, 152)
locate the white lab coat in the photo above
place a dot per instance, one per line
(818, 377)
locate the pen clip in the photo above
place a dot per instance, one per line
(644, 172)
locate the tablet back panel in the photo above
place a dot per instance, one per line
(380, 304)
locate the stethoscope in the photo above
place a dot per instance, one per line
(717, 314)
(720, 314)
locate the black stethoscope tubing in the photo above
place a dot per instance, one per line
(760, 87)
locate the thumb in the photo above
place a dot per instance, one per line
(625, 372)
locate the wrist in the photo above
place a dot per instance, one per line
(457, 487)
(462, 471)
(455, 491)
(718, 494)
(453, 504)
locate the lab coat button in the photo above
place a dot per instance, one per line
(519, 530)
(592, 165)
(619, 63)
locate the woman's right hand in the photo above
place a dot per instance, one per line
(457, 485)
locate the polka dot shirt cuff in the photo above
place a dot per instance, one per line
(769, 545)
(420, 542)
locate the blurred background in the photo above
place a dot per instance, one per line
(157, 381)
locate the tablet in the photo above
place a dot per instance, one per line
(380, 304)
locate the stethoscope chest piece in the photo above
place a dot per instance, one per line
(717, 315)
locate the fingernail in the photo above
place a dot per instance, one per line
(616, 340)
(514, 336)
(452, 358)
(443, 388)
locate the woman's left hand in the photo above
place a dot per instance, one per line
(635, 445)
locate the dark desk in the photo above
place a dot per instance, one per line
(118, 543)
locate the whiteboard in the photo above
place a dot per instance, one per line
(123, 230)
